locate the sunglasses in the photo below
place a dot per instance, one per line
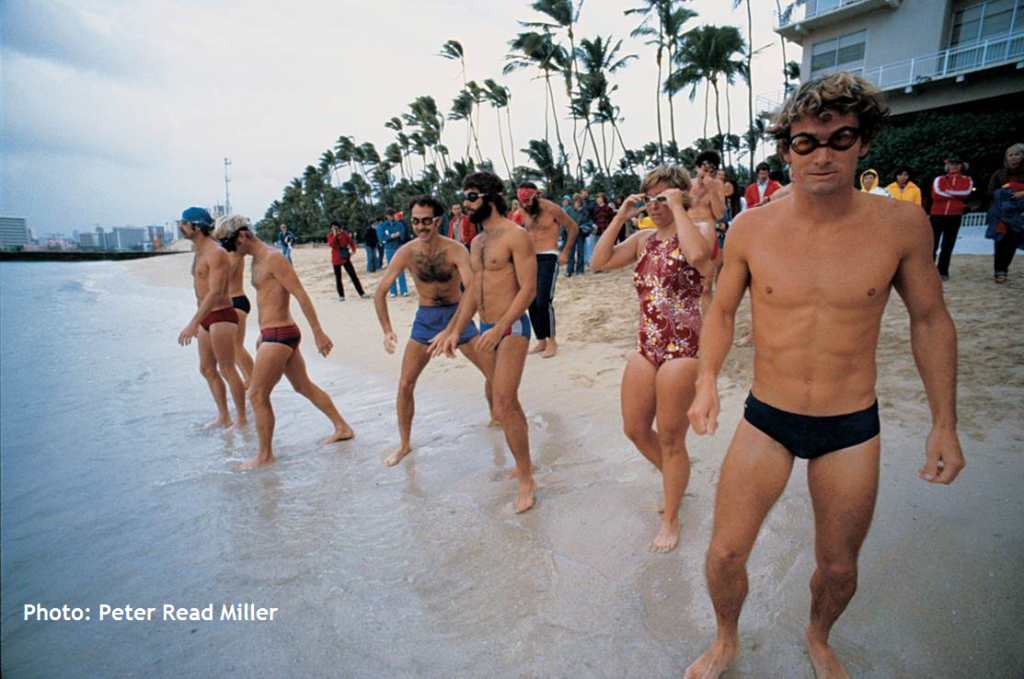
(842, 139)
(426, 221)
(472, 196)
(651, 199)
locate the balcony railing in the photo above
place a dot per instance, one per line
(796, 14)
(950, 62)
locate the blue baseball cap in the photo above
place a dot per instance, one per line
(198, 216)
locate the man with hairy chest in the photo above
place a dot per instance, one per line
(438, 266)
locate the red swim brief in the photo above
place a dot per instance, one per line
(225, 315)
(288, 334)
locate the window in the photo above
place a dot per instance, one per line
(843, 53)
(986, 20)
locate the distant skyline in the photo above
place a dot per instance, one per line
(118, 113)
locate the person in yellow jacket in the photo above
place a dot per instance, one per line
(903, 188)
(869, 184)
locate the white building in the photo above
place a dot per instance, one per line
(14, 232)
(924, 54)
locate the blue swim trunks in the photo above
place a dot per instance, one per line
(520, 328)
(432, 320)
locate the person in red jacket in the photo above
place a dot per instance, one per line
(757, 193)
(949, 198)
(342, 247)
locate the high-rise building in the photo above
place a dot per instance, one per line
(90, 240)
(14, 232)
(127, 238)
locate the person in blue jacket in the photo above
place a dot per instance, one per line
(394, 236)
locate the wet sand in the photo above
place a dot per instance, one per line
(570, 589)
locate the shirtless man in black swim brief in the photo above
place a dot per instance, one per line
(277, 350)
(819, 265)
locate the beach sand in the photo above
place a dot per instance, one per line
(940, 591)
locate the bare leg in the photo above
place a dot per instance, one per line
(208, 369)
(268, 368)
(843, 486)
(487, 368)
(508, 371)
(754, 474)
(414, 361)
(295, 371)
(675, 391)
(639, 406)
(222, 336)
(242, 356)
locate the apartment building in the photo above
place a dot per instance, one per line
(924, 54)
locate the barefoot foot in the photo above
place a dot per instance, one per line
(526, 496)
(714, 661)
(342, 432)
(667, 538)
(551, 350)
(220, 421)
(254, 463)
(540, 346)
(396, 457)
(826, 662)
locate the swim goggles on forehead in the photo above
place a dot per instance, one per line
(526, 194)
(842, 139)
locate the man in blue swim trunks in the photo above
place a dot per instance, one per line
(438, 266)
(820, 266)
(504, 285)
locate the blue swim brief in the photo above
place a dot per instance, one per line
(432, 320)
(520, 328)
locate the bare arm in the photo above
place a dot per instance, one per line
(524, 260)
(719, 324)
(716, 195)
(692, 241)
(607, 254)
(380, 303)
(289, 280)
(933, 341)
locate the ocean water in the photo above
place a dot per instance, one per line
(113, 495)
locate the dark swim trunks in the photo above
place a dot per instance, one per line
(432, 320)
(225, 315)
(808, 436)
(288, 334)
(241, 303)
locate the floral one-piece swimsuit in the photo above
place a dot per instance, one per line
(669, 290)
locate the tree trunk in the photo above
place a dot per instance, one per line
(657, 92)
(501, 142)
(554, 114)
(718, 115)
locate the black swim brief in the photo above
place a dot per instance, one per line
(808, 436)
(241, 303)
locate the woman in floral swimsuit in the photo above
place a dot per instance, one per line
(672, 262)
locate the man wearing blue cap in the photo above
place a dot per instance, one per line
(215, 321)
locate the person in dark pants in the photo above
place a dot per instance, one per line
(371, 243)
(949, 199)
(342, 246)
(578, 254)
(1006, 188)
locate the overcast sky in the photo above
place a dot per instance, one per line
(121, 112)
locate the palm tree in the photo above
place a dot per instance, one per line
(601, 58)
(663, 26)
(500, 97)
(538, 50)
(453, 50)
(750, 58)
(462, 109)
(706, 55)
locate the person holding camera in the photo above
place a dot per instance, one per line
(343, 246)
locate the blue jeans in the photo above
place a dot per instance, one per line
(591, 244)
(577, 256)
(372, 263)
(401, 277)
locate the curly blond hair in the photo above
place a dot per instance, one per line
(841, 92)
(225, 227)
(675, 176)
